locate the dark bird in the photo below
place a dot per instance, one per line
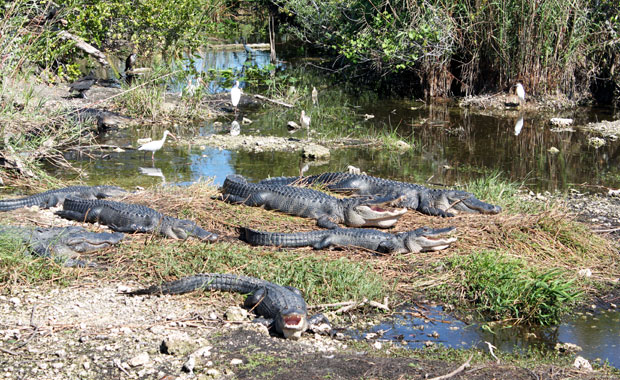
(130, 61)
(82, 85)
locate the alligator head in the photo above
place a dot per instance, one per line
(458, 201)
(109, 191)
(373, 212)
(291, 323)
(181, 229)
(70, 240)
(426, 239)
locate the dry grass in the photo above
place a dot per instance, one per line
(547, 239)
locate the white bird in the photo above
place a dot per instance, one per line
(191, 88)
(304, 120)
(520, 92)
(235, 95)
(315, 96)
(156, 145)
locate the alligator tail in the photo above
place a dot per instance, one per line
(14, 204)
(206, 281)
(278, 239)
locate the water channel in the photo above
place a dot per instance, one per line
(450, 145)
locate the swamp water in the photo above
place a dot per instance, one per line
(449, 146)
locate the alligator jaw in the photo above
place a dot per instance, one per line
(462, 202)
(427, 239)
(372, 216)
(293, 325)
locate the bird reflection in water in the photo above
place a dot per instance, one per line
(518, 125)
(153, 172)
(235, 128)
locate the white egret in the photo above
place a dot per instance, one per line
(156, 145)
(235, 95)
(315, 96)
(190, 88)
(520, 92)
(304, 120)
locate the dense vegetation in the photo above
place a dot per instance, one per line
(443, 48)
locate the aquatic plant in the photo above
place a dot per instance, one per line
(507, 288)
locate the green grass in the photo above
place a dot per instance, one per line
(506, 288)
(17, 266)
(321, 279)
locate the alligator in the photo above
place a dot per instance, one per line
(61, 243)
(309, 203)
(283, 307)
(436, 202)
(126, 217)
(56, 197)
(423, 239)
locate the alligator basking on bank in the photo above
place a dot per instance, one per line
(61, 243)
(282, 306)
(419, 240)
(126, 217)
(437, 202)
(56, 197)
(309, 203)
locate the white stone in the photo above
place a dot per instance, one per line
(582, 363)
(58, 365)
(213, 372)
(377, 345)
(585, 272)
(140, 359)
(15, 301)
(236, 362)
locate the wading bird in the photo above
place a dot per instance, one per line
(235, 95)
(305, 123)
(520, 92)
(315, 96)
(156, 145)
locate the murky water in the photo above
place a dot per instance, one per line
(451, 146)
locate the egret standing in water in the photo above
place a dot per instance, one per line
(520, 93)
(304, 120)
(235, 95)
(156, 145)
(315, 96)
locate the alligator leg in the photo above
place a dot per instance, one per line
(326, 242)
(424, 206)
(325, 222)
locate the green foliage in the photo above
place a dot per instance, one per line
(506, 288)
(321, 279)
(18, 267)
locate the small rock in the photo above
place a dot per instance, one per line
(157, 329)
(314, 151)
(138, 360)
(15, 301)
(562, 122)
(613, 305)
(123, 289)
(178, 344)
(236, 314)
(582, 363)
(61, 353)
(43, 365)
(369, 336)
(189, 365)
(236, 362)
(434, 334)
(213, 372)
(402, 146)
(567, 347)
(118, 150)
(377, 345)
(58, 365)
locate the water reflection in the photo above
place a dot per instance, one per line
(518, 125)
(153, 172)
(235, 128)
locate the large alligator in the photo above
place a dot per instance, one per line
(283, 306)
(419, 240)
(437, 202)
(61, 243)
(126, 217)
(56, 197)
(309, 203)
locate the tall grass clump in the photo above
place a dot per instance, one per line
(492, 188)
(505, 288)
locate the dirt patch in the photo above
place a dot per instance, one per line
(93, 331)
